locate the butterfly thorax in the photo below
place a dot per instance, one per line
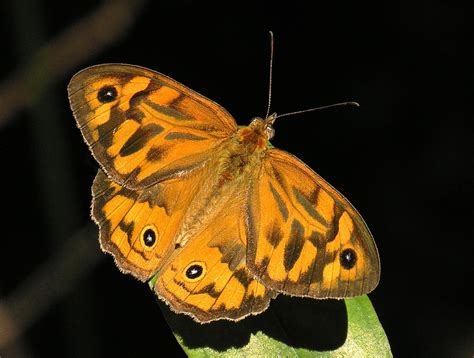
(255, 136)
(244, 151)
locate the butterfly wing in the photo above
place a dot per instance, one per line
(208, 278)
(144, 127)
(306, 239)
(138, 227)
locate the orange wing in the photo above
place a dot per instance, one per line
(142, 126)
(208, 279)
(305, 238)
(139, 227)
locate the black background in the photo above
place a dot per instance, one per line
(404, 158)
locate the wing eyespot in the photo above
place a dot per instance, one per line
(348, 258)
(149, 237)
(195, 271)
(107, 94)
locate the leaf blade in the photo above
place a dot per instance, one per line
(291, 327)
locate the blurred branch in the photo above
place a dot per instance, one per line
(80, 41)
(29, 88)
(48, 284)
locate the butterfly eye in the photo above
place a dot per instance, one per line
(348, 258)
(195, 271)
(149, 236)
(107, 94)
(270, 132)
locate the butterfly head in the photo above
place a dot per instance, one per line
(264, 127)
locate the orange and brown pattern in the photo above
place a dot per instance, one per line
(315, 244)
(220, 222)
(208, 277)
(140, 124)
(138, 227)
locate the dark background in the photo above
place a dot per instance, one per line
(404, 158)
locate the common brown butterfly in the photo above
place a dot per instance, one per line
(220, 219)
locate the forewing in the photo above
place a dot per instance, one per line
(305, 238)
(142, 126)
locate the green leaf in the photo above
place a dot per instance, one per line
(291, 327)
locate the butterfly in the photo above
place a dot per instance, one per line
(216, 218)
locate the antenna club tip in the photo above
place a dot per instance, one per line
(353, 104)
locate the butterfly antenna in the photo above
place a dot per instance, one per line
(342, 104)
(271, 75)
